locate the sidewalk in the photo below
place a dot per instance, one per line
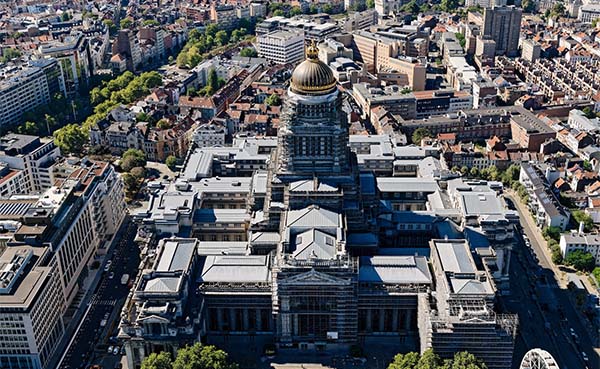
(545, 256)
(74, 321)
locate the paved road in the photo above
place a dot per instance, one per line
(91, 340)
(534, 278)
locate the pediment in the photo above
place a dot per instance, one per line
(313, 277)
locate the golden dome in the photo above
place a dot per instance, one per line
(312, 76)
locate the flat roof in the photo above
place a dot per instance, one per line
(394, 269)
(177, 255)
(241, 269)
(455, 256)
(406, 184)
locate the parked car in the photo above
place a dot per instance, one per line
(110, 349)
(116, 350)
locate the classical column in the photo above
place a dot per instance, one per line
(220, 319)
(395, 320)
(258, 319)
(232, 325)
(246, 321)
(368, 322)
(407, 321)
(381, 320)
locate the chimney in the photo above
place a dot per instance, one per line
(580, 228)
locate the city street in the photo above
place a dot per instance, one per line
(548, 316)
(92, 337)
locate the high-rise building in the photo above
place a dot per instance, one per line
(503, 25)
(32, 156)
(31, 305)
(281, 47)
(21, 91)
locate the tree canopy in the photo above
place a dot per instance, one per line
(273, 100)
(581, 260)
(197, 356)
(70, 139)
(133, 158)
(419, 134)
(430, 360)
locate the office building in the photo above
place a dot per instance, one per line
(31, 305)
(281, 47)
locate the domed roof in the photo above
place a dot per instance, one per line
(312, 76)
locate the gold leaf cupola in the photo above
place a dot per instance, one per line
(312, 76)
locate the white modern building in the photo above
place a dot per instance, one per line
(281, 47)
(31, 303)
(31, 155)
(570, 242)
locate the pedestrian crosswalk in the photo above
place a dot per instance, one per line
(110, 302)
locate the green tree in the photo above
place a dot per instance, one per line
(370, 4)
(163, 124)
(551, 233)
(273, 100)
(138, 172)
(464, 170)
(151, 79)
(70, 139)
(278, 13)
(213, 80)
(474, 172)
(528, 6)
(588, 112)
(405, 361)
(65, 17)
(295, 11)
(449, 5)
(580, 216)
(411, 7)
(9, 54)
(130, 182)
(150, 23)
(29, 128)
(222, 38)
(133, 158)
(201, 356)
(158, 361)
(429, 360)
(327, 8)
(211, 30)
(171, 162)
(110, 25)
(596, 274)
(126, 23)
(461, 39)
(558, 10)
(248, 52)
(581, 260)
(466, 360)
(419, 134)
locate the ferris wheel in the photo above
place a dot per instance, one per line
(538, 359)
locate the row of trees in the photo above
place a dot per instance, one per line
(124, 89)
(197, 356)
(200, 43)
(430, 360)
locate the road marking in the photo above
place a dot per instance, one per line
(77, 331)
